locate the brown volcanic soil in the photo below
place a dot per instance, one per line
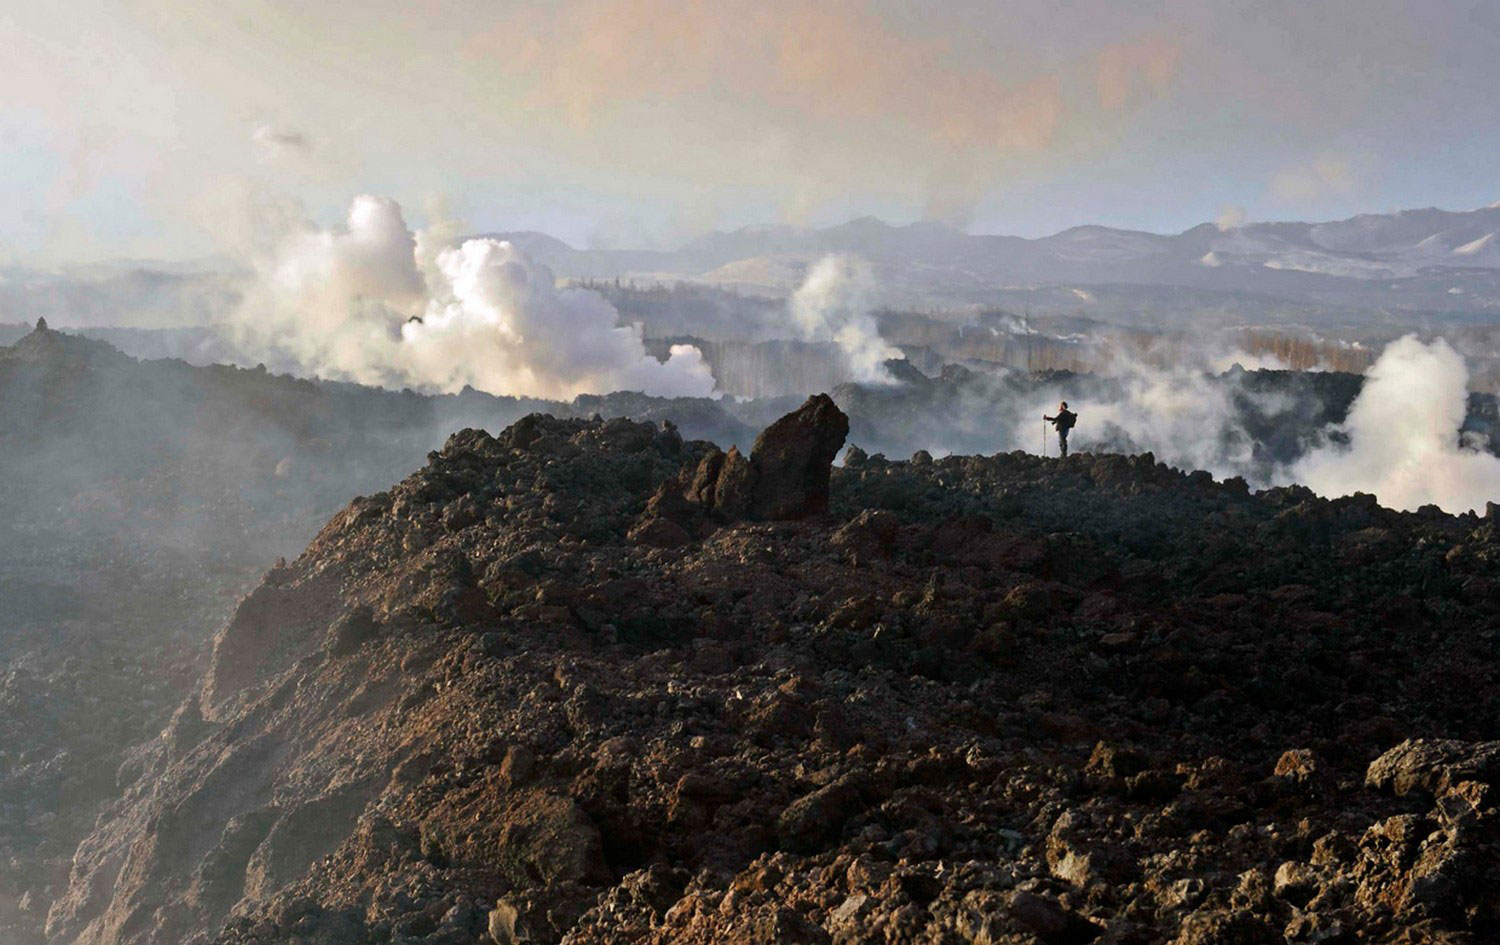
(988, 700)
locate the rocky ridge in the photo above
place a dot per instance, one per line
(587, 682)
(144, 498)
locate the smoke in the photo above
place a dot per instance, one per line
(1230, 217)
(1144, 67)
(1404, 444)
(1187, 417)
(836, 303)
(1247, 361)
(374, 302)
(505, 327)
(1327, 177)
(1401, 439)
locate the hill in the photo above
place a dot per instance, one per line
(586, 681)
(141, 500)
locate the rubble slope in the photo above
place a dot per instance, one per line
(587, 682)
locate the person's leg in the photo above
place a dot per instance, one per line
(1062, 444)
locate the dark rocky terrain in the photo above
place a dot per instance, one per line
(139, 500)
(586, 681)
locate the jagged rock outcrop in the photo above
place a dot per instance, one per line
(785, 479)
(791, 459)
(786, 476)
(983, 699)
(1436, 767)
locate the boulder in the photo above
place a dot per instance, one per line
(540, 916)
(816, 818)
(350, 631)
(1299, 765)
(654, 532)
(705, 479)
(1434, 765)
(733, 489)
(549, 839)
(871, 534)
(791, 460)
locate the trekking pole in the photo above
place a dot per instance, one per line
(1044, 438)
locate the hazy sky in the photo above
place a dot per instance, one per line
(180, 127)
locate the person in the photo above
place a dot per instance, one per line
(1063, 422)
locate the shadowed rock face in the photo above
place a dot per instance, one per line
(791, 459)
(786, 476)
(785, 479)
(982, 699)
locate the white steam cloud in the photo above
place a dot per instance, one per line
(506, 327)
(1403, 436)
(354, 304)
(1180, 414)
(1401, 440)
(1230, 217)
(1248, 361)
(836, 303)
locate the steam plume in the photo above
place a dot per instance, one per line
(1230, 217)
(1181, 414)
(1403, 436)
(353, 304)
(836, 303)
(506, 328)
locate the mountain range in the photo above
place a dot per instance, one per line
(1395, 271)
(1430, 259)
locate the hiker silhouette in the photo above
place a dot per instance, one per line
(1064, 422)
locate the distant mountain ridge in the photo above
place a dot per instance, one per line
(1407, 268)
(1460, 249)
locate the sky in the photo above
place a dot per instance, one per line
(176, 129)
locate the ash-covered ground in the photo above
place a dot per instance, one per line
(974, 699)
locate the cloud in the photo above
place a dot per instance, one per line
(373, 302)
(836, 303)
(1323, 178)
(505, 327)
(578, 112)
(1144, 66)
(278, 144)
(826, 62)
(846, 94)
(1230, 218)
(1404, 444)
